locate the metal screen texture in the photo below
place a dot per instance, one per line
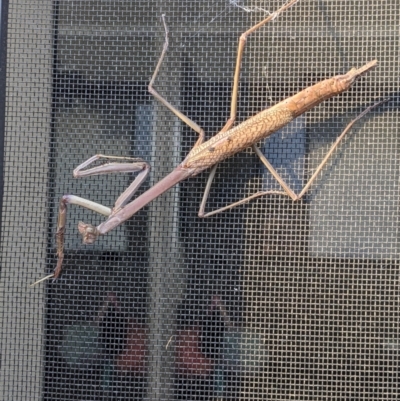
(271, 300)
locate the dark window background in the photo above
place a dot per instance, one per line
(274, 300)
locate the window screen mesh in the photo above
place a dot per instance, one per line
(272, 300)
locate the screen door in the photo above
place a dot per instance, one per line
(270, 300)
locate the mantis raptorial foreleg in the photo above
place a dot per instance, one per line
(134, 165)
(204, 155)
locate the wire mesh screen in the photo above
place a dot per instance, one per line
(274, 299)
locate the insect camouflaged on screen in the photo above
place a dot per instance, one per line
(204, 155)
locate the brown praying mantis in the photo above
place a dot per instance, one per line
(204, 155)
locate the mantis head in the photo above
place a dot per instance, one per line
(89, 232)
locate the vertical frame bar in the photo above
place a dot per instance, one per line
(3, 62)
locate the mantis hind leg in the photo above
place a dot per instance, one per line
(287, 191)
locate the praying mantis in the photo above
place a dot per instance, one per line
(206, 154)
